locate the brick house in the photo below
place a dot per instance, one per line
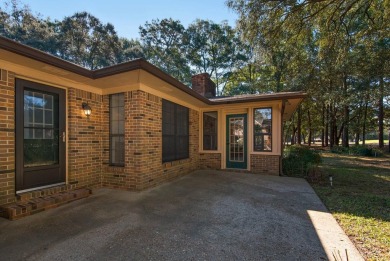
(144, 127)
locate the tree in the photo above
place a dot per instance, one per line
(212, 48)
(18, 23)
(336, 45)
(163, 44)
(130, 49)
(80, 38)
(84, 40)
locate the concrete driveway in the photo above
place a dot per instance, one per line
(208, 215)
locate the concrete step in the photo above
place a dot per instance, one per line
(19, 209)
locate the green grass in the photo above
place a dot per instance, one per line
(359, 200)
(372, 142)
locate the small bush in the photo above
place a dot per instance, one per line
(339, 150)
(358, 150)
(299, 161)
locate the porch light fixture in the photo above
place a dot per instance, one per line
(87, 109)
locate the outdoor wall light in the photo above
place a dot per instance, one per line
(87, 109)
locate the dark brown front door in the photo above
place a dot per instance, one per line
(40, 135)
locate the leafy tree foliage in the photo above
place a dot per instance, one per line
(81, 38)
(18, 23)
(212, 48)
(336, 50)
(164, 46)
(84, 40)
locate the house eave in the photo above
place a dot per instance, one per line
(26, 51)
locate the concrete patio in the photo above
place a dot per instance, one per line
(208, 215)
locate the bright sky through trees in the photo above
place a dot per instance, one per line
(127, 16)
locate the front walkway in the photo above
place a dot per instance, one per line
(208, 215)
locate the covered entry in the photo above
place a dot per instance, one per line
(236, 141)
(40, 135)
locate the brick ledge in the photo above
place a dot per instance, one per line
(32, 206)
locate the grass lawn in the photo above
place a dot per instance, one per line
(360, 200)
(373, 142)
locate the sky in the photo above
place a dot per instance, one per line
(127, 16)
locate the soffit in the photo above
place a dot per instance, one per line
(290, 107)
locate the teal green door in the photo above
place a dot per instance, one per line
(236, 147)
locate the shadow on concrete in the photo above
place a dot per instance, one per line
(208, 215)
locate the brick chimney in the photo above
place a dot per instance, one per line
(202, 84)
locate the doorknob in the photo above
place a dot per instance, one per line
(63, 136)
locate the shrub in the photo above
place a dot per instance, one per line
(358, 150)
(299, 161)
(339, 150)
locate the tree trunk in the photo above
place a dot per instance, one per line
(345, 129)
(359, 119)
(336, 138)
(346, 115)
(364, 123)
(357, 138)
(293, 138)
(292, 130)
(331, 134)
(380, 113)
(327, 127)
(299, 126)
(338, 135)
(309, 123)
(323, 126)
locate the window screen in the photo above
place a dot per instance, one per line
(175, 123)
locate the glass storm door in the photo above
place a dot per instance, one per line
(236, 147)
(40, 135)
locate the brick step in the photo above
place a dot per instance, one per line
(32, 206)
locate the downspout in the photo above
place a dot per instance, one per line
(281, 139)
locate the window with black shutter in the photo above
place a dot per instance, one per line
(175, 134)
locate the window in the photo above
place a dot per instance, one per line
(40, 128)
(210, 128)
(263, 129)
(175, 122)
(117, 129)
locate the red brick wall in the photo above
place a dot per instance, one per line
(88, 144)
(7, 137)
(143, 145)
(84, 139)
(182, 167)
(202, 84)
(115, 177)
(84, 142)
(265, 164)
(210, 161)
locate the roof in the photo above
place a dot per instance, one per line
(258, 97)
(136, 64)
